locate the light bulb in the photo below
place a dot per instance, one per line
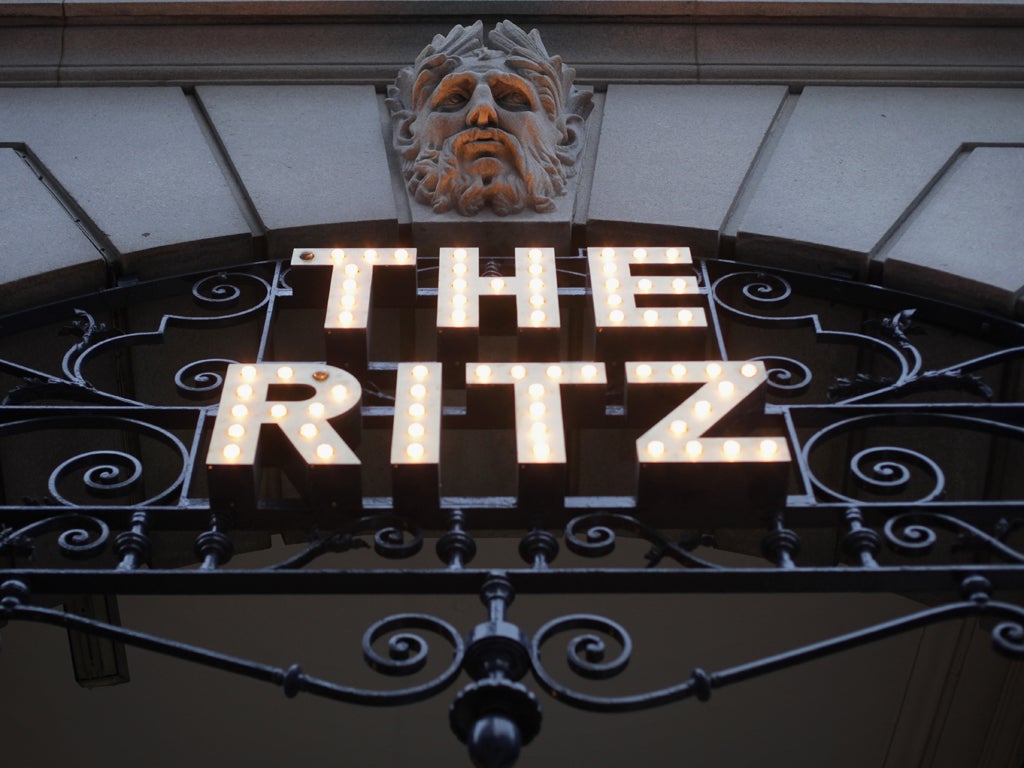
(236, 431)
(278, 411)
(232, 452)
(324, 451)
(308, 431)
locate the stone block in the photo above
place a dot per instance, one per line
(675, 157)
(312, 160)
(850, 163)
(29, 54)
(44, 256)
(135, 161)
(965, 240)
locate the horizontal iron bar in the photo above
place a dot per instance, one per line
(945, 578)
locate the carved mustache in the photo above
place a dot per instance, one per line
(484, 134)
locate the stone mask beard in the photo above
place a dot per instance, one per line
(437, 177)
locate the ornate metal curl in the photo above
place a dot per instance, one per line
(599, 539)
(104, 479)
(13, 605)
(913, 533)
(82, 536)
(1007, 638)
(394, 538)
(206, 379)
(891, 474)
(211, 291)
(769, 291)
(786, 376)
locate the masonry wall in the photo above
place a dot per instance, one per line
(892, 154)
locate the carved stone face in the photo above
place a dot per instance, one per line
(482, 128)
(486, 111)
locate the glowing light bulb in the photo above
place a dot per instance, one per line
(768, 448)
(370, 255)
(678, 370)
(346, 318)
(417, 410)
(459, 300)
(616, 316)
(537, 300)
(232, 452)
(348, 301)
(278, 411)
(308, 431)
(239, 411)
(639, 254)
(537, 317)
(677, 427)
(645, 285)
(537, 410)
(612, 284)
(459, 254)
(350, 286)
(694, 449)
(416, 430)
(339, 391)
(731, 449)
(588, 372)
(236, 431)
(749, 370)
(401, 254)
(415, 451)
(497, 284)
(536, 284)
(248, 372)
(419, 372)
(651, 316)
(685, 317)
(726, 388)
(614, 300)
(536, 254)
(554, 371)
(459, 316)
(713, 370)
(459, 268)
(610, 268)
(244, 392)
(536, 269)
(316, 410)
(351, 269)
(702, 408)
(536, 390)
(542, 451)
(538, 430)
(608, 253)
(418, 391)
(459, 285)
(285, 373)
(324, 451)
(672, 254)
(643, 371)
(656, 449)
(679, 285)
(518, 372)
(337, 254)
(483, 371)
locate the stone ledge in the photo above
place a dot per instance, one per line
(163, 10)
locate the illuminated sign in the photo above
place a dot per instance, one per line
(701, 428)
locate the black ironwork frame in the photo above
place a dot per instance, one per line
(901, 521)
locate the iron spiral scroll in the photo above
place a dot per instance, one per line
(900, 514)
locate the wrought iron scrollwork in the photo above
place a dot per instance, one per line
(593, 535)
(81, 536)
